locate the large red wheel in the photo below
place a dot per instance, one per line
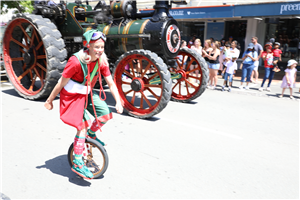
(143, 82)
(34, 55)
(194, 76)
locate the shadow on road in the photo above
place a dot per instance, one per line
(60, 165)
(11, 92)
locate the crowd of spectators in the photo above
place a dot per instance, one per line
(221, 58)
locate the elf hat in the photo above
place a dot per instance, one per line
(92, 36)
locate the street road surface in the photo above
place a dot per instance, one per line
(222, 145)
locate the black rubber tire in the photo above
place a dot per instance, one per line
(56, 54)
(204, 78)
(165, 76)
(100, 148)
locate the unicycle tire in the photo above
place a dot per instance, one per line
(94, 156)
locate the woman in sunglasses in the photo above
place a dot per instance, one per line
(75, 86)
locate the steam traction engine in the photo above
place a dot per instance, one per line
(143, 51)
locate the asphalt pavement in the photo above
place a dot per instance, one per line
(239, 145)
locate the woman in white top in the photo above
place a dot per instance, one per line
(235, 53)
(196, 47)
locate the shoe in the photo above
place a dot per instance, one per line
(223, 89)
(261, 89)
(229, 89)
(95, 138)
(82, 170)
(268, 89)
(280, 96)
(276, 69)
(241, 87)
(247, 88)
(291, 97)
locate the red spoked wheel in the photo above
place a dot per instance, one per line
(193, 79)
(143, 82)
(34, 55)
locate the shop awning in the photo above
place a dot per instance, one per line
(267, 9)
(200, 12)
(235, 11)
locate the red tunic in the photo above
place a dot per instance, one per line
(72, 104)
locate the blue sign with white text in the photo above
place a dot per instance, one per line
(250, 10)
(288, 8)
(201, 12)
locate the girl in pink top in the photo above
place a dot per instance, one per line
(289, 79)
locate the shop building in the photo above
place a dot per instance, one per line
(280, 21)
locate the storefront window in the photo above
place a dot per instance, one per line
(188, 29)
(287, 33)
(236, 30)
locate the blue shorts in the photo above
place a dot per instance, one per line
(228, 75)
(214, 66)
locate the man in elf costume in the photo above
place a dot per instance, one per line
(77, 98)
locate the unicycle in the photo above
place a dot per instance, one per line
(94, 156)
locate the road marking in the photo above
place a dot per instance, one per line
(204, 129)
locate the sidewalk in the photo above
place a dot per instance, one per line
(275, 86)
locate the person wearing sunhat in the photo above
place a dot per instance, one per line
(77, 99)
(289, 78)
(249, 57)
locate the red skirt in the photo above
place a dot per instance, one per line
(71, 108)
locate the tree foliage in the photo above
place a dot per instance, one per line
(22, 6)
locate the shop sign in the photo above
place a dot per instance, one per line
(289, 8)
(176, 12)
(270, 9)
(200, 12)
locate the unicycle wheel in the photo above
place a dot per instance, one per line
(94, 156)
